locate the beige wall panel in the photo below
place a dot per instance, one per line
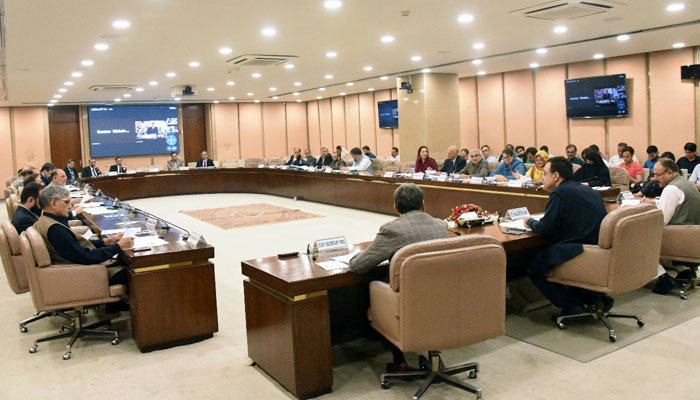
(314, 127)
(338, 111)
(326, 124)
(29, 136)
(584, 132)
(633, 129)
(520, 107)
(251, 129)
(6, 167)
(491, 126)
(226, 128)
(550, 109)
(274, 126)
(297, 133)
(385, 138)
(368, 136)
(352, 120)
(468, 113)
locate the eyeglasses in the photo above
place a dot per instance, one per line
(67, 201)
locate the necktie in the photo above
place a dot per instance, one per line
(92, 171)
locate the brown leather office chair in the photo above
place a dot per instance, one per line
(681, 243)
(452, 294)
(619, 178)
(253, 162)
(58, 287)
(14, 202)
(625, 259)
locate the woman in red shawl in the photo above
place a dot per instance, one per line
(424, 162)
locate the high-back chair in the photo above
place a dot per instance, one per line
(681, 243)
(619, 178)
(58, 287)
(442, 294)
(625, 259)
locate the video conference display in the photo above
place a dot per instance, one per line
(133, 130)
(596, 97)
(388, 113)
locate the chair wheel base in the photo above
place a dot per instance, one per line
(32, 349)
(23, 329)
(115, 341)
(67, 356)
(473, 374)
(640, 323)
(612, 338)
(385, 385)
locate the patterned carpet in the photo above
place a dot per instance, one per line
(248, 215)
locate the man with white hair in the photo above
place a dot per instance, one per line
(453, 162)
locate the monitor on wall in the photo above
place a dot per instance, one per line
(388, 113)
(133, 130)
(596, 97)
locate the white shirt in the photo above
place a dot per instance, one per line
(695, 176)
(364, 164)
(616, 160)
(492, 159)
(671, 198)
(397, 158)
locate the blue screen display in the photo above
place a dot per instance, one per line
(133, 130)
(596, 97)
(388, 114)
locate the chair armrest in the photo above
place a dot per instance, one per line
(79, 230)
(681, 242)
(71, 283)
(384, 311)
(75, 222)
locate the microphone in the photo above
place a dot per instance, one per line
(163, 223)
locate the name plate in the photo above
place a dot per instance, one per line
(261, 165)
(417, 175)
(131, 171)
(517, 213)
(153, 169)
(515, 183)
(284, 167)
(88, 234)
(442, 178)
(151, 224)
(194, 238)
(626, 195)
(389, 174)
(475, 180)
(183, 168)
(334, 243)
(328, 170)
(112, 173)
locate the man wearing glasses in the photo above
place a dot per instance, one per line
(690, 161)
(64, 246)
(571, 219)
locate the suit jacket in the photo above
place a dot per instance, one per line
(295, 161)
(45, 180)
(200, 163)
(323, 161)
(412, 227)
(71, 173)
(571, 219)
(452, 167)
(23, 219)
(117, 169)
(87, 172)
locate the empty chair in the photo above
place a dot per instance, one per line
(681, 243)
(625, 259)
(253, 162)
(619, 178)
(57, 287)
(442, 294)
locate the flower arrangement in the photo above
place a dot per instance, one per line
(466, 208)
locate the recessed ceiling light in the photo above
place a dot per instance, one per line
(416, 58)
(478, 45)
(121, 24)
(256, 101)
(249, 94)
(331, 54)
(541, 50)
(678, 45)
(171, 74)
(101, 46)
(387, 39)
(322, 89)
(256, 75)
(62, 90)
(367, 68)
(194, 64)
(384, 77)
(275, 97)
(273, 89)
(210, 89)
(425, 70)
(68, 83)
(153, 83)
(370, 89)
(87, 63)
(298, 100)
(225, 50)
(177, 99)
(623, 38)
(216, 102)
(117, 100)
(230, 83)
(127, 95)
(288, 66)
(349, 84)
(465, 18)
(675, 7)
(598, 56)
(319, 97)
(53, 101)
(296, 93)
(560, 29)
(232, 98)
(342, 93)
(534, 65)
(57, 96)
(297, 83)
(482, 72)
(76, 74)
(332, 4)
(476, 62)
(139, 89)
(269, 31)
(50, 105)
(328, 76)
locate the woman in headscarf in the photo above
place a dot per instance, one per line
(594, 171)
(423, 160)
(535, 173)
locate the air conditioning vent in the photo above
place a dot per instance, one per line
(567, 10)
(259, 60)
(112, 88)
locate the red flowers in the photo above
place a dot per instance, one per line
(465, 208)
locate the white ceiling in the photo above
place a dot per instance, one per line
(45, 42)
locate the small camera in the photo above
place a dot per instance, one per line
(407, 86)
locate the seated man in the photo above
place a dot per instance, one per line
(520, 153)
(571, 155)
(174, 163)
(324, 159)
(653, 157)
(368, 153)
(28, 211)
(694, 178)
(337, 161)
(690, 160)
(413, 225)
(680, 204)
(617, 159)
(309, 160)
(204, 161)
(45, 173)
(117, 167)
(486, 151)
(58, 177)
(395, 154)
(71, 172)
(632, 167)
(453, 162)
(65, 247)
(91, 170)
(510, 164)
(530, 154)
(571, 219)
(361, 162)
(296, 159)
(477, 167)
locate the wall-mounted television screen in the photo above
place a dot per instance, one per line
(596, 97)
(388, 113)
(133, 130)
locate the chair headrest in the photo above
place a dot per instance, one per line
(39, 251)
(607, 227)
(12, 238)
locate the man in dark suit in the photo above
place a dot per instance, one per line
(117, 167)
(296, 159)
(324, 159)
(366, 150)
(205, 162)
(70, 171)
(309, 160)
(453, 162)
(571, 219)
(91, 171)
(45, 173)
(28, 211)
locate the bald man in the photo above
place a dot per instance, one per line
(453, 162)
